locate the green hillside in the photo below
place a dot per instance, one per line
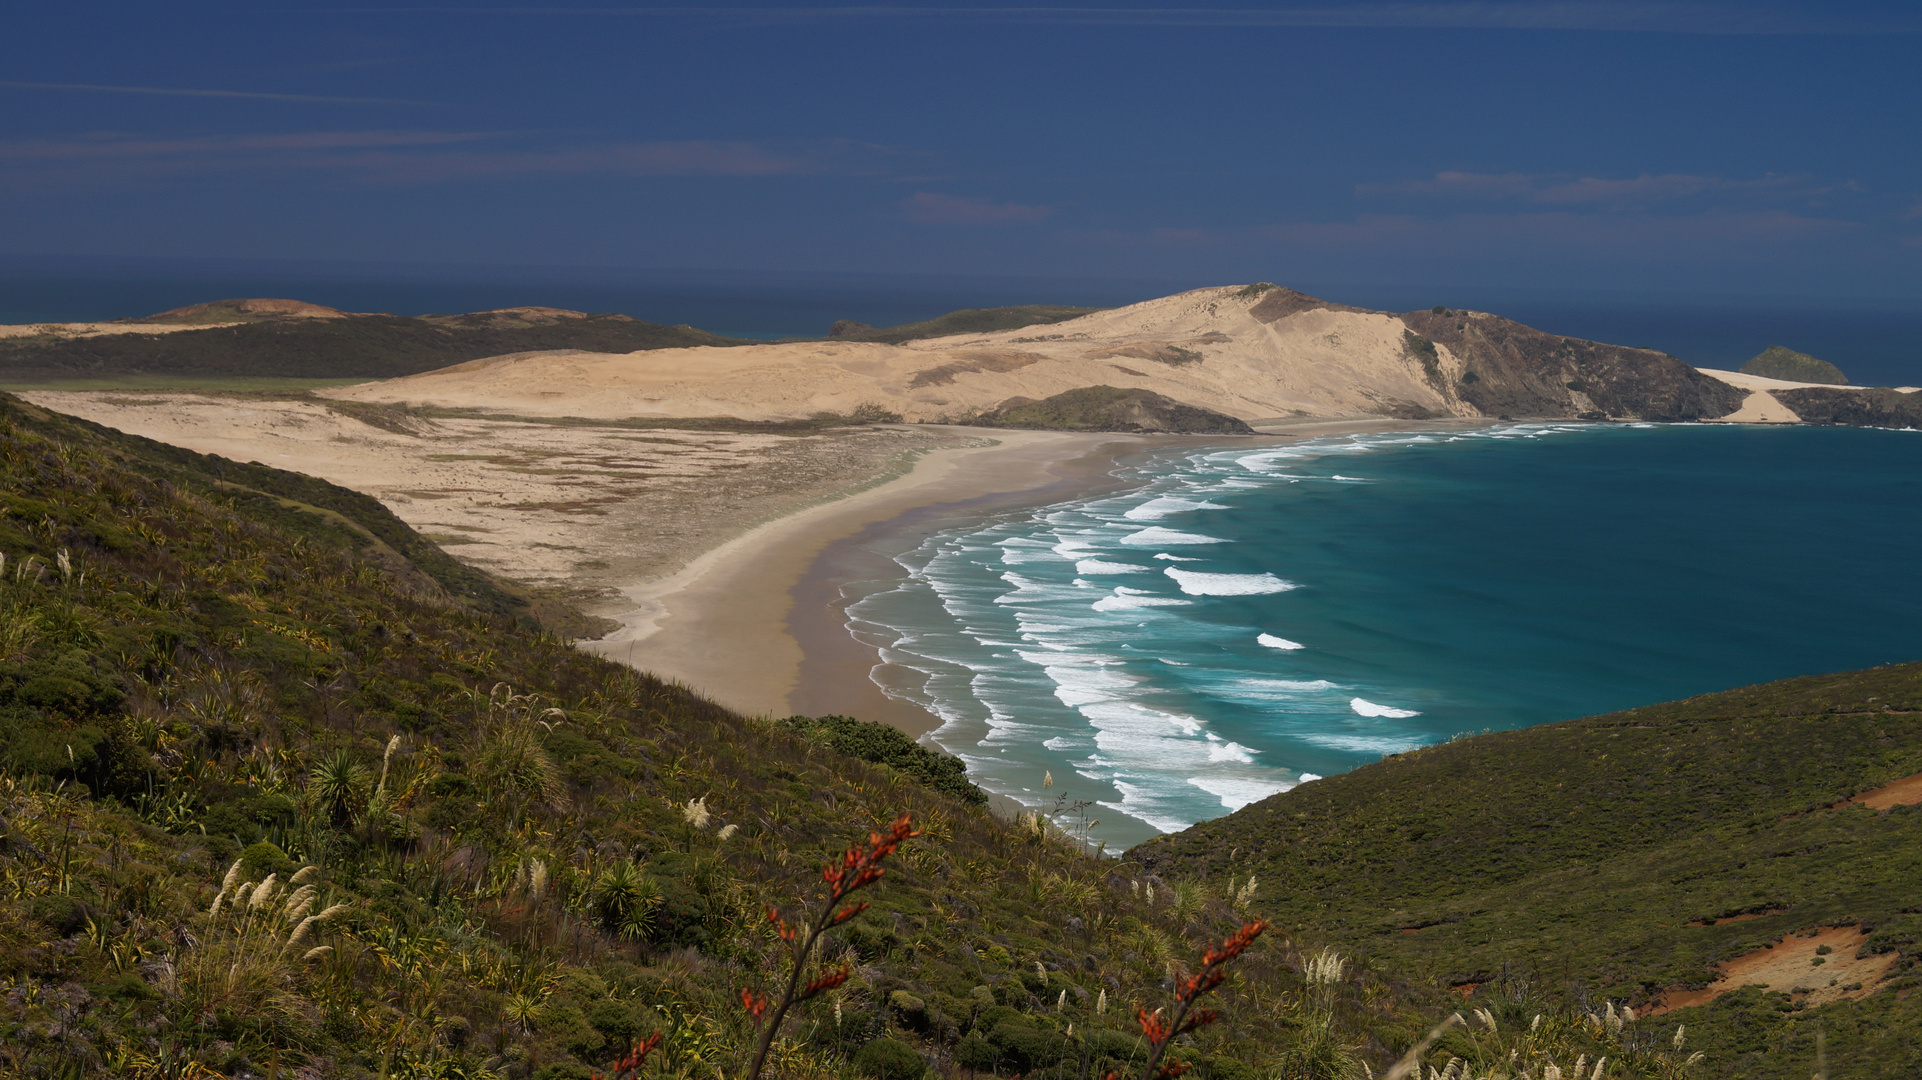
(1607, 856)
(965, 321)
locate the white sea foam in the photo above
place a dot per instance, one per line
(1099, 566)
(1165, 505)
(1129, 599)
(1364, 707)
(1198, 584)
(1155, 535)
(1274, 642)
(1363, 744)
(1231, 751)
(1236, 792)
(1272, 691)
(1176, 558)
(1309, 777)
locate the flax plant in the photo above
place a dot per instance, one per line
(857, 869)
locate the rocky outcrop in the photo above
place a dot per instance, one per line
(1508, 369)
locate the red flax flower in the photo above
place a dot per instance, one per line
(1160, 1031)
(857, 869)
(631, 1062)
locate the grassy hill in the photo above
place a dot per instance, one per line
(278, 345)
(1620, 856)
(965, 321)
(528, 857)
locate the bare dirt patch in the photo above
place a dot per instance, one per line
(1904, 792)
(1815, 967)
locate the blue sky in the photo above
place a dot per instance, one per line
(1573, 146)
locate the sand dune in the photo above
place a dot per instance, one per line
(1218, 348)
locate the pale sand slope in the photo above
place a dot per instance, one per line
(1761, 406)
(588, 509)
(1318, 363)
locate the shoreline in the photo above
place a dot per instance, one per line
(739, 599)
(776, 593)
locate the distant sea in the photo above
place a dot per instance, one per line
(1247, 618)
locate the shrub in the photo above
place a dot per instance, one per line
(888, 1059)
(974, 1051)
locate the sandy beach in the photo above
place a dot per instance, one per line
(779, 593)
(770, 595)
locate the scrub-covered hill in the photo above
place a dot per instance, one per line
(1655, 856)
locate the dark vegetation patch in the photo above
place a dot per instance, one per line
(977, 361)
(965, 321)
(352, 347)
(883, 744)
(1278, 303)
(1108, 408)
(1781, 362)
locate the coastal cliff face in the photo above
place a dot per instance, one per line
(1509, 369)
(1257, 353)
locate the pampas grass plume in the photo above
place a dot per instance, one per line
(263, 892)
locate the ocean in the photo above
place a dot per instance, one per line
(1245, 618)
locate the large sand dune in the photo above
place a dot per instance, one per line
(1230, 349)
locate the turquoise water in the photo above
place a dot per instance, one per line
(1254, 616)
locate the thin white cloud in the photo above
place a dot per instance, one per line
(411, 157)
(933, 208)
(1643, 16)
(169, 91)
(1566, 189)
(111, 146)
